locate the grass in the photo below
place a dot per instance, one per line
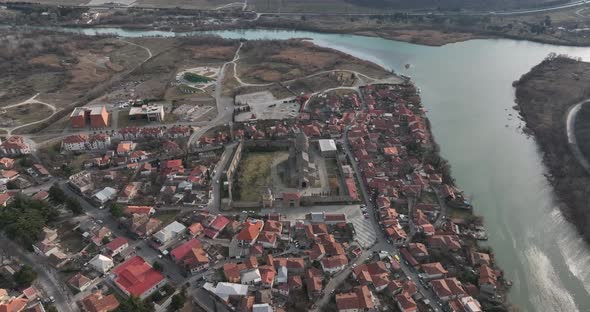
(254, 175)
(186, 88)
(459, 213)
(428, 198)
(27, 113)
(194, 78)
(167, 217)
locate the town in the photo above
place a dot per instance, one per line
(333, 199)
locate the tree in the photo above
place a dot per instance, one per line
(158, 266)
(134, 304)
(25, 276)
(106, 240)
(116, 210)
(177, 302)
(74, 205)
(56, 194)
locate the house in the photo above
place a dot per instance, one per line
(359, 299)
(74, 143)
(142, 225)
(136, 277)
(267, 275)
(313, 282)
(6, 163)
(225, 290)
(232, 271)
(147, 210)
(334, 264)
(104, 195)
(15, 145)
(125, 148)
(448, 288)
(41, 195)
(129, 192)
(434, 270)
(116, 246)
(79, 282)
(11, 304)
(41, 170)
(171, 231)
(418, 250)
(375, 273)
(96, 302)
(98, 141)
(487, 280)
(195, 229)
(101, 263)
(249, 233)
(196, 260)
(250, 277)
(81, 182)
(406, 303)
(8, 175)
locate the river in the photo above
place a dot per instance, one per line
(467, 88)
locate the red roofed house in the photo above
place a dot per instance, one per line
(135, 277)
(250, 231)
(96, 302)
(360, 299)
(15, 145)
(11, 304)
(117, 245)
(147, 210)
(434, 270)
(405, 303)
(334, 264)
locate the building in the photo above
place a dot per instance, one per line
(359, 299)
(225, 290)
(96, 117)
(171, 231)
(116, 246)
(101, 263)
(250, 231)
(334, 264)
(302, 169)
(150, 112)
(136, 277)
(81, 182)
(328, 148)
(79, 282)
(105, 195)
(15, 145)
(96, 302)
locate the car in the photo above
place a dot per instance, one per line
(366, 216)
(160, 256)
(244, 211)
(51, 299)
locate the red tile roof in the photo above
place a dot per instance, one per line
(181, 251)
(136, 276)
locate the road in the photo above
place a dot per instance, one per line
(571, 134)
(45, 275)
(171, 270)
(380, 244)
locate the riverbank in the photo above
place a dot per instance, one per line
(545, 96)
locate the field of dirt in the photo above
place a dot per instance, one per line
(544, 96)
(276, 61)
(61, 65)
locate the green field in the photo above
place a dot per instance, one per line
(254, 175)
(194, 78)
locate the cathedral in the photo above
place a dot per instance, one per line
(302, 169)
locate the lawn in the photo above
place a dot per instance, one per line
(428, 198)
(167, 217)
(194, 78)
(254, 175)
(27, 113)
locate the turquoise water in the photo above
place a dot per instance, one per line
(467, 89)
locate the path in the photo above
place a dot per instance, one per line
(571, 134)
(31, 100)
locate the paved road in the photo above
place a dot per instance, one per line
(171, 270)
(45, 275)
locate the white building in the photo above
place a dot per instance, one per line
(327, 147)
(105, 195)
(101, 263)
(150, 112)
(224, 290)
(171, 231)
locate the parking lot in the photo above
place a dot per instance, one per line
(265, 106)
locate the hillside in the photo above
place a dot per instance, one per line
(544, 96)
